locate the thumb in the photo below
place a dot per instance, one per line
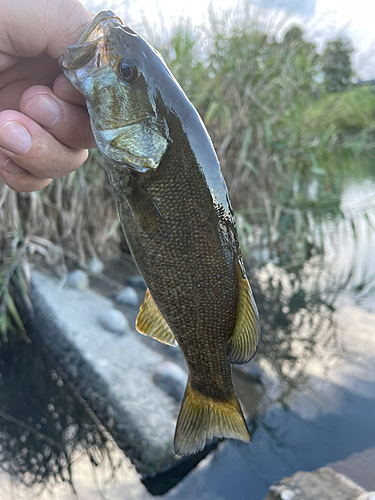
(66, 24)
(31, 28)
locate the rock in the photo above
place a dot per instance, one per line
(78, 279)
(171, 379)
(287, 495)
(114, 321)
(137, 281)
(128, 296)
(96, 266)
(368, 495)
(322, 483)
(109, 371)
(359, 466)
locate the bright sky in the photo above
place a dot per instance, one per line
(321, 19)
(356, 20)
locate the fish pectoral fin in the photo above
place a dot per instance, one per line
(202, 418)
(145, 210)
(150, 322)
(245, 339)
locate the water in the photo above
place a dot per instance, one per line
(311, 404)
(356, 254)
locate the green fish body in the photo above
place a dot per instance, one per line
(175, 212)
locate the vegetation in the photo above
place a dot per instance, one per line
(348, 115)
(71, 220)
(336, 65)
(273, 130)
(284, 143)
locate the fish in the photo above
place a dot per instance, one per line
(174, 209)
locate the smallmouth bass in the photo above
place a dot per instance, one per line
(175, 212)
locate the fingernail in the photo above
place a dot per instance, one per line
(44, 110)
(15, 138)
(13, 168)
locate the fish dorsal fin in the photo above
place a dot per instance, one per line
(150, 322)
(245, 339)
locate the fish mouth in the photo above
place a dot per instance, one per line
(76, 56)
(99, 26)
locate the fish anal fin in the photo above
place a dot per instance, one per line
(150, 322)
(202, 418)
(246, 335)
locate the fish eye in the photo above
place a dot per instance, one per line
(128, 70)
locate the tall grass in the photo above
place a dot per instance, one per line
(71, 220)
(281, 146)
(285, 146)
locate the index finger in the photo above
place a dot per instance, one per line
(34, 149)
(68, 123)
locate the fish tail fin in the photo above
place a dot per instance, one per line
(201, 418)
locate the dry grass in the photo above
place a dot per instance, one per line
(71, 220)
(75, 213)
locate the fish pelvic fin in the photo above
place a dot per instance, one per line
(202, 418)
(150, 322)
(246, 335)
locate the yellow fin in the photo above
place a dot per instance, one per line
(150, 322)
(246, 335)
(202, 418)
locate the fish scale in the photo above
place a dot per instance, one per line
(174, 209)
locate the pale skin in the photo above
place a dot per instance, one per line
(44, 126)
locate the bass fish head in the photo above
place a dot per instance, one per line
(116, 71)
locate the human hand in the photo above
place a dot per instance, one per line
(44, 126)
